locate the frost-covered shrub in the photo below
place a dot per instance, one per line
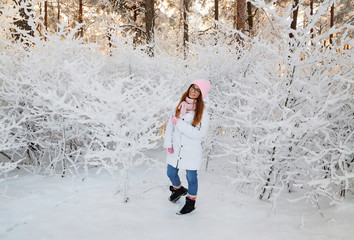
(67, 105)
(283, 113)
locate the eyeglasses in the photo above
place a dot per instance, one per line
(195, 89)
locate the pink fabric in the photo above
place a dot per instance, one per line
(204, 86)
(169, 150)
(187, 105)
(174, 120)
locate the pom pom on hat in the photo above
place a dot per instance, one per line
(204, 86)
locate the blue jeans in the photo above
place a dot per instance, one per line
(191, 175)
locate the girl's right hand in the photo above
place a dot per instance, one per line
(174, 120)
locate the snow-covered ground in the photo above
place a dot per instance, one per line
(39, 207)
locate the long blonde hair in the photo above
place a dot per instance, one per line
(198, 109)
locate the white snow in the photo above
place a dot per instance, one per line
(39, 207)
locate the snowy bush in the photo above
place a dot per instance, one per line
(284, 112)
(67, 105)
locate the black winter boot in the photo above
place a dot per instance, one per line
(177, 193)
(188, 207)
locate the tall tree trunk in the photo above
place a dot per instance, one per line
(185, 27)
(250, 17)
(216, 3)
(291, 71)
(46, 15)
(135, 18)
(149, 22)
(295, 13)
(45, 19)
(216, 8)
(240, 17)
(39, 27)
(81, 19)
(58, 11)
(311, 14)
(331, 23)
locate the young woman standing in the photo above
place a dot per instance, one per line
(185, 129)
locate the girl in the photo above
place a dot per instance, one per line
(184, 131)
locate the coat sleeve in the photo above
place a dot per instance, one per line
(169, 133)
(194, 132)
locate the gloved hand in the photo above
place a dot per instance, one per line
(174, 120)
(169, 150)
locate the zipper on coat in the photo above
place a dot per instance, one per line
(179, 152)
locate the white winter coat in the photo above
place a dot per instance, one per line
(186, 141)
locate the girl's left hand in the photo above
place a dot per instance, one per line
(174, 120)
(169, 150)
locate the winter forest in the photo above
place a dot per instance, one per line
(87, 87)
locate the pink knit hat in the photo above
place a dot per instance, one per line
(204, 86)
